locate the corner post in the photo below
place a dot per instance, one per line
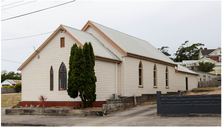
(158, 97)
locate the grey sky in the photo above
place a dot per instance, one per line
(162, 23)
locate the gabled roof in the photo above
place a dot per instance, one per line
(80, 38)
(205, 59)
(206, 52)
(185, 70)
(213, 51)
(131, 45)
(12, 81)
(98, 47)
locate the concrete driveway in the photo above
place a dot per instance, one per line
(138, 116)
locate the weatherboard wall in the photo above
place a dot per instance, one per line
(177, 81)
(36, 74)
(121, 72)
(217, 51)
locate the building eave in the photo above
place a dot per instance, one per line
(151, 59)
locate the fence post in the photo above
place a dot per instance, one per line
(158, 97)
(134, 99)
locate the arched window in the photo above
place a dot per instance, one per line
(62, 77)
(154, 76)
(167, 78)
(51, 79)
(140, 74)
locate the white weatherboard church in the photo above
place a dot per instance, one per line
(124, 65)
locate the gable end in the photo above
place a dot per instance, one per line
(104, 36)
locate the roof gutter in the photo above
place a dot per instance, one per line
(188, 73)
(107, 59)
(151, 59)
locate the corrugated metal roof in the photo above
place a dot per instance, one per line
(98, 47)
(189, 61)
(12, 81)
(133, 45)
(184, 69)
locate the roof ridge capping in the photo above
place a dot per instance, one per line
(75, 29)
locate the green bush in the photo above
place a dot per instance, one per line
(18, 86)
(10, 86)
(5, 87)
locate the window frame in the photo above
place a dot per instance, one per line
(51, 79)
(59, 88)
(140, 77)
(62, 42)
(155, 76)
(204, 78)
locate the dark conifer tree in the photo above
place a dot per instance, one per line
(82, 75)
(90, 83)
(72, 92)
(79, 72)
(92, 75)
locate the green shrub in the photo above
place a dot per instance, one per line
(10, 86)
(5, 87)
(18, 86)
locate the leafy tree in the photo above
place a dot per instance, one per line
(188, 52)
(205, 67)
(10, 75)
(164, 50)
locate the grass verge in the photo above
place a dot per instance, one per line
(5, 97)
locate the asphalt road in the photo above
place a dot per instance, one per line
(138, 116)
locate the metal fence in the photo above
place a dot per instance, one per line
(188, 104)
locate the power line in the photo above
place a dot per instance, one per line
(11, 61)
(26, 36)
(18, 5)
(12, 3)
(37, 11)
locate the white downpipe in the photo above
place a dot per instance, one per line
(116, 83)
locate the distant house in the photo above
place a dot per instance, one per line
(124, 65)
(192, 65)
(214, 54)
(205, 76)
(11, 82)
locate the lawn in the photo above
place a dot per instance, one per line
(207, 88)
(209, 92)
(5, 97)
